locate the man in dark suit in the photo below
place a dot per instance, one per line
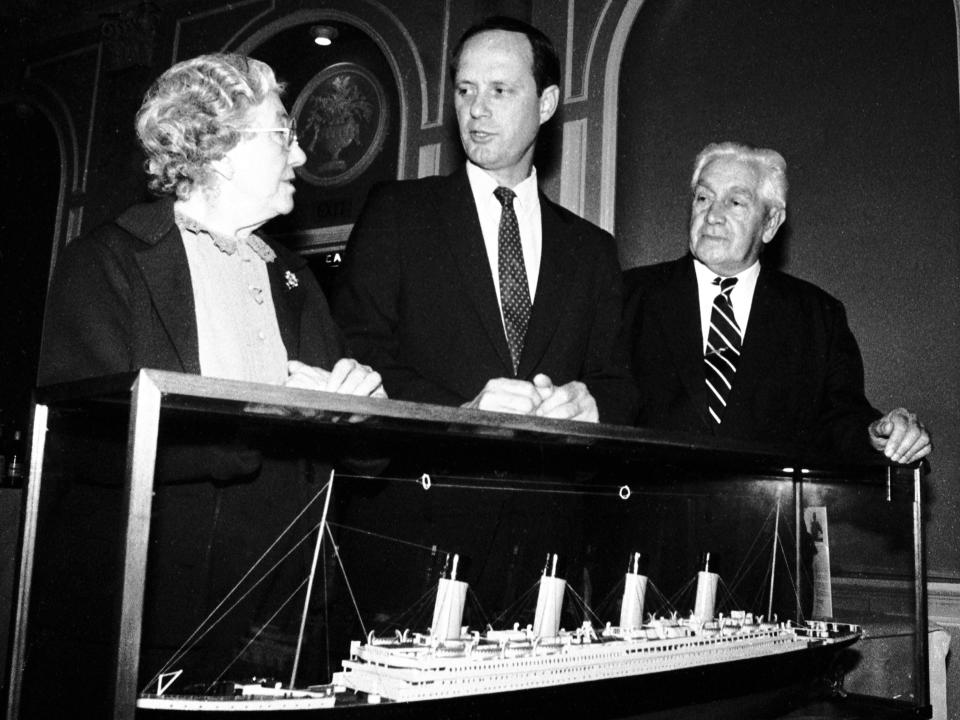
(476, 290)
(436, 296)
(766, 357)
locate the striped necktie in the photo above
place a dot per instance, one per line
(723, 349)
(514, 289)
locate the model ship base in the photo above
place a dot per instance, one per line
(758, 687)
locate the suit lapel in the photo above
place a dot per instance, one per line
(762, 346)
(163, 263)
(678, 313)
(166, 274)
(462, 234)
(558, 264)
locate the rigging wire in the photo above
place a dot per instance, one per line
(215, 615)
(336, 553)
(257, 634)
(430, 481)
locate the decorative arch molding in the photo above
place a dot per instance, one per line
(46, 82)
(611, 97)
(579, 92)
(393, 39)
(51, 106)
(43, 88)
(591, 102)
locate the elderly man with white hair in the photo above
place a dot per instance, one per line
(723, 345)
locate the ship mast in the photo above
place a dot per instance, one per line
(313, 573)
(773, 565)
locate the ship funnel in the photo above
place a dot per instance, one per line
(634, 591)
(706, 592)
(448, 609)
(546, 622)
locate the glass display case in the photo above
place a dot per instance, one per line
(189, 540)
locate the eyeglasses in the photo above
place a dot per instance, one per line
(289, 133)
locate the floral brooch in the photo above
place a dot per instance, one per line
(290, 280)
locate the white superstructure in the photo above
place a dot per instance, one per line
(431, 666)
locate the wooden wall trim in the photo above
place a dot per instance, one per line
(611, 93)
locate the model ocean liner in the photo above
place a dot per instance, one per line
(450, 661)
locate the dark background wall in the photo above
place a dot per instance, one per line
(861, 99)
(29, 188)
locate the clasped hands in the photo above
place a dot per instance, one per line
(540, 398)
(347, 377)
(900, 436)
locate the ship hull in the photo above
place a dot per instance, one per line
(754, 687)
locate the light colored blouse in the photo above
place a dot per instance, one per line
(238, 334)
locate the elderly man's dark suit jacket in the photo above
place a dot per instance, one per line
(417, 299)
(800, 377)
(121, 300)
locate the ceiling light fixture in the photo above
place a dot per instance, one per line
(323, 35)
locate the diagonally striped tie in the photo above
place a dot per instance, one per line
(723, 349)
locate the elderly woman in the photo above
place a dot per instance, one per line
(185, 283)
